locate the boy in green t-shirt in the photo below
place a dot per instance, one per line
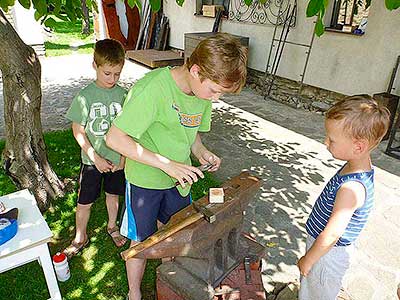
(91, 113)
(158, 129)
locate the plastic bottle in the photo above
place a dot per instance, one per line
(61, 267)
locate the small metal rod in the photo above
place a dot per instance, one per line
(297, 44)
(247, 270)
(278, 52)
(284, 40)
(306, 64)
(390, 86)
(273, 39)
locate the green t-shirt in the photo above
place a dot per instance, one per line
(95, 108)
(164, 120)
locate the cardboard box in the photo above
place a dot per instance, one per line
(211, 10)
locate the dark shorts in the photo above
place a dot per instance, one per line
(91, 180)
(145, 206)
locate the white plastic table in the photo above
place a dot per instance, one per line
(30, 242)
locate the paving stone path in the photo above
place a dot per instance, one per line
(283, 146)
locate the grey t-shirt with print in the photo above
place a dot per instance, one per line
(95, 108)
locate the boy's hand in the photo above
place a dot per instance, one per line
(208, 157)
(120, 166)
(103, 165)
(304, 266)
(185, 174)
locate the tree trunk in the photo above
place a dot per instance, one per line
(24, 156)
(85, 18)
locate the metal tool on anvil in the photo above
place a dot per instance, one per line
(208, 215)
(202, 168)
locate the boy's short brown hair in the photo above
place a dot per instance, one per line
(109, 51)
(363, 118)
(221, 59)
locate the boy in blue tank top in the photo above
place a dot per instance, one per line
(354, 127)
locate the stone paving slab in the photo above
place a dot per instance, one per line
(284, 147)
(294, 168)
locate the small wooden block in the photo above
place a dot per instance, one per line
(211, 10)
(216, 195)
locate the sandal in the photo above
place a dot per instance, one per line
(75, 248)
(117, 238)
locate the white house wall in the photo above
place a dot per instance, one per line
(339, 62)
(28, 29)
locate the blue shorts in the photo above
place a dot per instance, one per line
(145, 206)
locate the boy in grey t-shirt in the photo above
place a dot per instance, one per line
(91, 113)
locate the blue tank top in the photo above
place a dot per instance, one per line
(323, 207)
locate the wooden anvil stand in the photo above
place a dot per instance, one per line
(204, 253)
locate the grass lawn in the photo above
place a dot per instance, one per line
(66, 35)
(97, 273)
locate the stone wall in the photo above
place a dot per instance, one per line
(287, 91)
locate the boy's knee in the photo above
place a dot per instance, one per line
(112, 196)
(84, 207)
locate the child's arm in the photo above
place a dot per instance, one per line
(204, 155)
(121, 142)
(80, 136)
(349, 197)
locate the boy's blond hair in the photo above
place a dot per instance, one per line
(363, 118)
(109, 51)
(221, 59)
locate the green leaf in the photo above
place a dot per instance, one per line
(37, 15)
(319, 27)
(313, 7)
(10, 2)
(25, 3)
(70, 11)
(62, 17)
(262, 1)
(50, 22)
(392, 4)
(131, 3)
(77, 3)
(94, 7)
(322, 12)
(4, 5)
(40, 6)
(155, 5)
(180, 2)
(139, 6)
(57, 7)
(248, 2)
(71, 14)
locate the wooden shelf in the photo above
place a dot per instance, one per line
(155, 58)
